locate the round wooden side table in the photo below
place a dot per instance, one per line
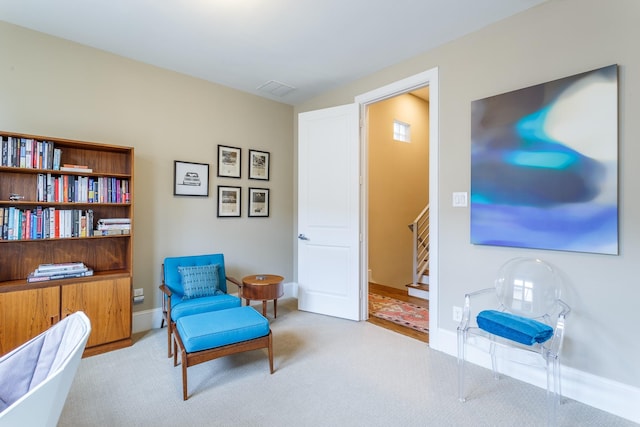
(263, 287)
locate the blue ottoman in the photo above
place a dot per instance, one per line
(207, 336)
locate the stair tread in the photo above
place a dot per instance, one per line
(420, 286)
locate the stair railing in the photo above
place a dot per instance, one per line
(420, 230)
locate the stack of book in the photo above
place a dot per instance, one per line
(111, 226)
(64, 270)
(75, 168)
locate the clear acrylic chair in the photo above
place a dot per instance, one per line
(522, 313)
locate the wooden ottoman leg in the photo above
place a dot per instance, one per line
(175, 352)
(184, 374)
(270, 352)
(177, 344)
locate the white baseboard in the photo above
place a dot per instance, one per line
(610, 396)
(145, 320)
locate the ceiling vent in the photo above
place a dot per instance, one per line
(276, 88)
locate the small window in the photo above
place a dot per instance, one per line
(401, 131)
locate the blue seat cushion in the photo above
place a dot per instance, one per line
(218, 328)
(187, 307)
(516, 328)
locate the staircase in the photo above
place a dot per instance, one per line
(420, 229)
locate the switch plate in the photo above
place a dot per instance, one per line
(138, 292)
(459, 199)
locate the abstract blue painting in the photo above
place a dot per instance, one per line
(544, 165)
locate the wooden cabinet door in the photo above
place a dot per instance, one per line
(107, 303)
(25, 314)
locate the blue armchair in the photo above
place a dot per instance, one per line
(192, 285)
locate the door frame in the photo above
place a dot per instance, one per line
(426, 78)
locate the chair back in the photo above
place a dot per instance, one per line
(36, 377)
(172, 276)
(528, 287)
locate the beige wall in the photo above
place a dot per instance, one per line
(52, 87)
(398, 186)
(554, 40)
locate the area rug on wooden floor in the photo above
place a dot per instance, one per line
(399, 312)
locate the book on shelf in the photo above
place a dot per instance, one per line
(107, 224)
(67, 167)
(114, 221)
(111, 232)
(60, 266)
(57, 154)
(103, 227)
(63, 275)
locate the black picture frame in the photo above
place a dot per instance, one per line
(190, 179)
(229, 201)
(258, 203)
(229, 161)
(259, 165)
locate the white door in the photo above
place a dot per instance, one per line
(329, 212)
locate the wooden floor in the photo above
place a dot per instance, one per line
(402, 295)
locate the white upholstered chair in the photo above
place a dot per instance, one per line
(36, 377)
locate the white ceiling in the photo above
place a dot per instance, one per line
(311, 45)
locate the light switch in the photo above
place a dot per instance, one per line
(460, 199)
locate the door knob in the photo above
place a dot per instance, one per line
(302, 237)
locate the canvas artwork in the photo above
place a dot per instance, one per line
(544, 165)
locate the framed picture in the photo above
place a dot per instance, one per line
(258, 202)
(536, 182)
(228, 201)
(229, 161)
(190, 179)
(258, 165)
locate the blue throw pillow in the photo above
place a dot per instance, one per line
(200, 281)
(516, 328)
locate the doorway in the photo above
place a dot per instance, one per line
(398, 183)
(426, 79)
(398, 192)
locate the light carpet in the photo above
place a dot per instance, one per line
(399, 312)
(328, 372)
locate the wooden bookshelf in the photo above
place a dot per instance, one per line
(27, 309)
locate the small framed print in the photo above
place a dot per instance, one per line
(190, 179)
(228, 201)
(258, 202)
(229, 161)
(258, 165)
